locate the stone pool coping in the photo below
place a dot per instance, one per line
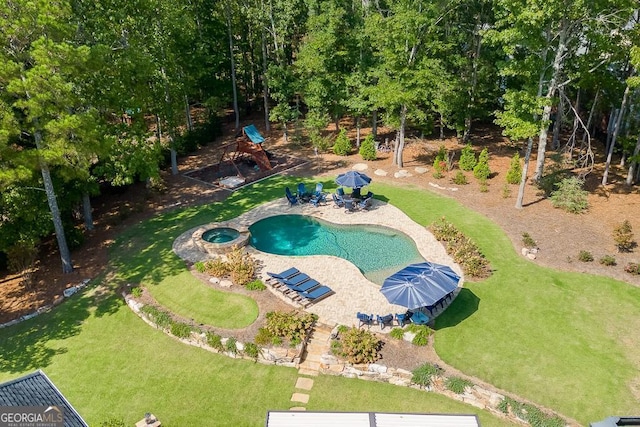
(353, 292)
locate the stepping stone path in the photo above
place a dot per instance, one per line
(380, 172)
(319, 343)
(402, 174)
(360, 167)
(421, 170)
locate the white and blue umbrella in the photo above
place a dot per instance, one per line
(420, 285)
(353, 179)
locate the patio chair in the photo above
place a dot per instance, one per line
(315, 295)
(306, 286)
(339, 203)
(303, 194)
(318, 195)
(349, 206)
(355, 194)
(419, 318)
(364, 319)
(364, 204)
(402, 319)
(293, 199)
(384, 320)
(340, 192)
(292, 279)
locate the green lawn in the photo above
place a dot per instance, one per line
(567, 341)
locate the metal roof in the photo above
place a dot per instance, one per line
(36, 389)
(367, 419)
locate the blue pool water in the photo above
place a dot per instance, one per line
(377, 251)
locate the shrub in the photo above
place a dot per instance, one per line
(529, 413)
(440, 162)
(199, 266)
(242, 267)
(342, 145)
(136, 292)
(484, 186)
(397, 333)
(623, 236)
(216, 268)
(528, 241)
(215, 341)
(585, 256)
(256, 285)
(608, 260)
(21, 258)
(632, 268)
(467, 158)
(251, 350)
(506, 191)
(230, 345)
(422, 333)
(263, 337)
(180, 330)
(292, 326)
(423, 374)
(457, 385)
(570, 196)
(368, 148)
(481, 170)
(514, 174)
(357, 346)
(159, 317)
(460, 178)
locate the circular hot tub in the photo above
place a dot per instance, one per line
(220, 238)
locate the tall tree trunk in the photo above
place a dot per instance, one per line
(633, 164)
(374, 123)
(86, 211)
(357, 131)
(400, 144)
(169, 122)
(616, 130)
(546, 111)
(265, 84)
(590, 119)
(557, 125)
(441, 127)
(187, 113)
(233, 69)
(525, 171)
(466, 135)
(65, 255)
(613, 117)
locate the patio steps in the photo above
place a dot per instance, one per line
(319, 343)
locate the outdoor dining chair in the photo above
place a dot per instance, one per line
(384, 320)
(364, 319)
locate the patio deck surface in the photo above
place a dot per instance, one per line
(353, 292)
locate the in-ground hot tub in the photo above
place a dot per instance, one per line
(220, 238)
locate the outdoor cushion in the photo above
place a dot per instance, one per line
(419, 318)
(317, 294)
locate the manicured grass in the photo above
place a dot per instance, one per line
(565, 340)
(367, 396)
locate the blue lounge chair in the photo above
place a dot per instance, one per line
(364, 319)
(340, 192)
(317, 294)
(318, 196)
(355, 194)
(285, 274)
(384, 320)
(339, 202)
(419, 318)
(349, 205)
(306, 286)
(293, 200)
(402, 319)
(294, 279)
(364, 204)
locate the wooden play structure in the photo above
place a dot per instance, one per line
(249, 142)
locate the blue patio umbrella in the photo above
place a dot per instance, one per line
(353, 179)
(420, 285)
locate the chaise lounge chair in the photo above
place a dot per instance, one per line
(315, 295)
(293, 200)
(364, 319)
(303, 194)
(318, 195)
(339, 202)
(384, 320)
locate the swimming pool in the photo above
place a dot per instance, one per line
(377, 251)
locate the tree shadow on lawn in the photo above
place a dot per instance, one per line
(463, 307)
(26, 346)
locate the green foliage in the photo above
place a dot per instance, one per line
(159, 317)
(216, 267)
(457, 385)
(570, 196)
(357, 346)
(368, 148)
(342, 329)
(136, 292)
(440, 162)
(263, 337)
(422, 334)
(460, 178)
(514, 174)
(230, 346)
(181, 330)
(252, 350)
(200, 267)
(632, 268)
(484, 186)
(397, 333)
(623, 236)
(481, 170)
(585, 256)
(242, 266)
(21, 258)
(342, 145)
(528, 241)
(506, 191)
(461, 248)
(214, 340)
(530, 413)
(467, 158)
(292, 326)
(423, 375)
(608, 260)
(256, 285)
